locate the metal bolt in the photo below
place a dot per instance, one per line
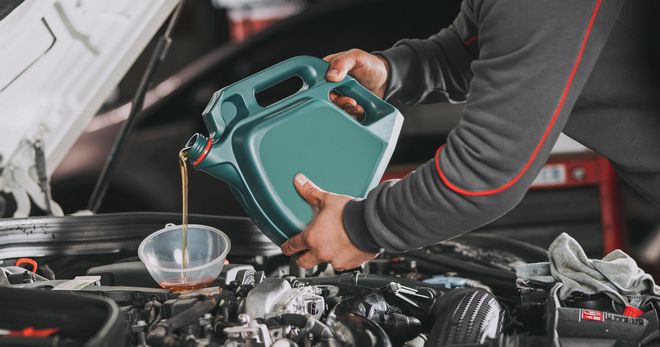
(243, 318)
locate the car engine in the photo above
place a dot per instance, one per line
(462, 292)
(249, 309)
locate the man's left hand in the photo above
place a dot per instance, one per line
(325, 239)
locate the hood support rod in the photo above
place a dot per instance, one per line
(158, 55)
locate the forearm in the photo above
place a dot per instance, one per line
(417, 211)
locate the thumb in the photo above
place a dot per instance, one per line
(340, 66)
(308, 190)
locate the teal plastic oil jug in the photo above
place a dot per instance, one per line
(258, 150)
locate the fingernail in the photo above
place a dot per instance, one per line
(301, 179)
(333, 73)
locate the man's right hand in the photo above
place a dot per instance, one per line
(370, 70)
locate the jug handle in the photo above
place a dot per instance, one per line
(310, 69)
(380, 118)
(375, 108)
(238, 100)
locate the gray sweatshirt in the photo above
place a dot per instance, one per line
(527, 70)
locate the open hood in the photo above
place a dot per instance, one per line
(59, 61)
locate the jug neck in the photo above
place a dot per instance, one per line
(217, 161)
(198, 148)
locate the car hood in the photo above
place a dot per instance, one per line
(61, 59)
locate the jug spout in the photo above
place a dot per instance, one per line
(213, 159)
(198, 148)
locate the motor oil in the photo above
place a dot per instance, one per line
(183, 168)
(184, 286)
(258, 149)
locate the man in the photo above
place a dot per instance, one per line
(528, 70)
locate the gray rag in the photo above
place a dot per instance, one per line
(616, 275)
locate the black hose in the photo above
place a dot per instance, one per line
(464, 267)
(525, 250)
(469, 316)
(433, 267)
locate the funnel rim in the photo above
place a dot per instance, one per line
(215, 260)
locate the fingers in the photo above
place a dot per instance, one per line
(346, 103)
(294, 245)
(309, 191)
(355, 111)
(307, 260)
(340, 65)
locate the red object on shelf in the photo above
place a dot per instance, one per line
(247, 17)
(570, 171)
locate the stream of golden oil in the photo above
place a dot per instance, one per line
(183, 167)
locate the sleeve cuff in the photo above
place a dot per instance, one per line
(356, 227)
(398, 58)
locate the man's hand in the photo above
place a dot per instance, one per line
(325, 239)
(369, 69)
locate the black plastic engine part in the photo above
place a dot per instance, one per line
(19, 275)
(309, 325)
(356, 330)
(530, 307)
(618, 329)
(173, 307)
(160, 335)
(132, 296)
(352, 283)
(443, 263)
(466, 317)
(400, 328)
(365, 280)
(652, 315)
(46, 271)
(133, 273)
(81, 320)
(371, 304)
(598, 301)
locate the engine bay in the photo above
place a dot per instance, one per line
(460, 292)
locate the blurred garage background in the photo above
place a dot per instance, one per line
(217, 42)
